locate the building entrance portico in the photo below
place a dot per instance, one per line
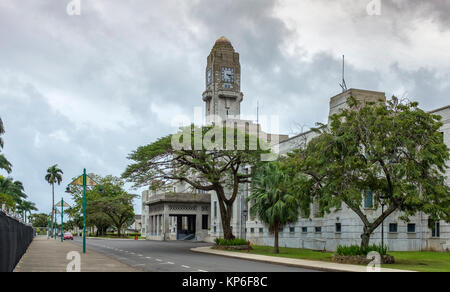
(178, 216)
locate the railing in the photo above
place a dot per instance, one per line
(15, 237)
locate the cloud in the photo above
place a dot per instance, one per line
(84, 91)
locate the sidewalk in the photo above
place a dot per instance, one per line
(315, 265)
(49, 255)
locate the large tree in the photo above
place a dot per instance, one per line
(272, 199)
(108, 205)
(39, 220)
(54, 175)
(393, 150)
(210, 159)
(4, 163)
(12, 188)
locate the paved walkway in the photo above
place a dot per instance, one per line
(49, 255)
(317, 265)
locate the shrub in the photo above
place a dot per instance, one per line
(230, 242)
(356, 250)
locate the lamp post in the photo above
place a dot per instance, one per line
(382, 222)
(83, 180)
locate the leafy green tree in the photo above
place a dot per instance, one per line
(107, 206)
(39, 220)
(4, 163)
(7, 200)
(163, 163)
(12, 188)
(54, 175)
(271, 198)
(391, 149)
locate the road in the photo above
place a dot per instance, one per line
(175, 256)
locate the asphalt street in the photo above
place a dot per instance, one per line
(175, 256)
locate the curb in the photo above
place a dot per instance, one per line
(307, 264)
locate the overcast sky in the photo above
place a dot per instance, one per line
(86, 90)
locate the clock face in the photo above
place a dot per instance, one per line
(227, 74)
(208, 77)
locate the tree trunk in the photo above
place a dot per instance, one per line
(53, 207)
(225, 214)
(365, 238)
(118, 231)
(275, 245)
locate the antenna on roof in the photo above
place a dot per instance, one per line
(257, 112)
(343, 84)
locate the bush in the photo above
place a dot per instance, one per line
(356, 250)
(230, 242)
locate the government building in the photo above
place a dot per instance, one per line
(188, 214)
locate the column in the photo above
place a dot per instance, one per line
(166, 221)
(157, 225)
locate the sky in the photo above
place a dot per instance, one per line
(83, 91)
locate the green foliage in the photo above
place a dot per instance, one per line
(12, 188)
(356, 250)
(107, 206)
(273, 198)
(4, 163)
(54, 175)
(393, 149)
(161, 164)
(7, 200)
(39, 220)
(230, 242)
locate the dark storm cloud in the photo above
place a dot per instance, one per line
(84, 91)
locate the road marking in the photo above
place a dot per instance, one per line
(202, 271)
(187, 267)
(158, 260)
(148, 257)
(139, 255)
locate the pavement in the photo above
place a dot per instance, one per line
(176, 256)
(50, 255)
(316, 265)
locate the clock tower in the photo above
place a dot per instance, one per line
(223, 94)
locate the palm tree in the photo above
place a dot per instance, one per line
(54, 175)
(4, 163)
(271, 200)
(27, 207)
(13, 188)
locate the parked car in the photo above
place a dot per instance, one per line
(68, 235)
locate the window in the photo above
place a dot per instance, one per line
(304, 229)
(393, 227)
(411, 228)
(261, 230)
(338, 228)
(252, 230)
(318, 229)
(215, 209)
(368, 199)
(291, 229)
(436, 229)
(204, 222)
(215, 229)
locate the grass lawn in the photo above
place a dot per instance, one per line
(404, 260)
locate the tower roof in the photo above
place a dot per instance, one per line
(223, 39)
(223, 42)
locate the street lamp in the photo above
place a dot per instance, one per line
(83, 180)
(382, 222)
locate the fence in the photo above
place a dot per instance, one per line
(15, 237)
